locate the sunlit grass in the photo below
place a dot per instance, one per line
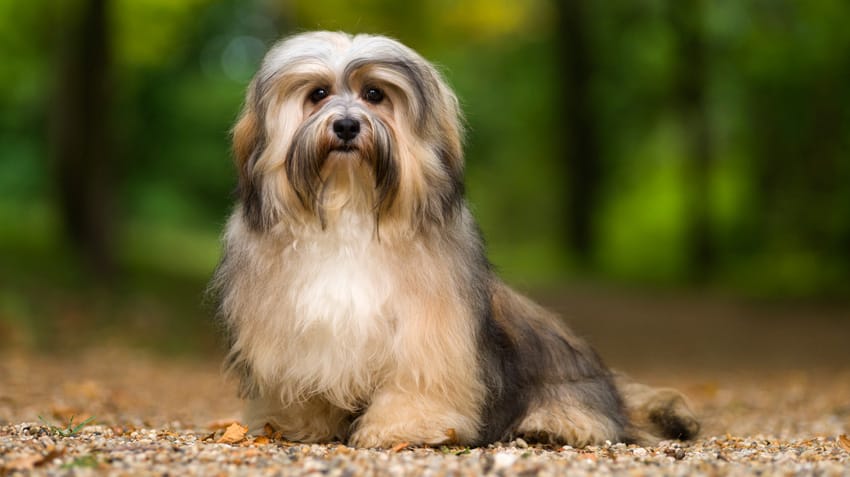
(154, 298)
(640, 229)
(31, 233)
(170, 250)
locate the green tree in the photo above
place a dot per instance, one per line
(577, 125)
(81, 135)
(690, 73)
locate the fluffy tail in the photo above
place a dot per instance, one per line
(655, 414)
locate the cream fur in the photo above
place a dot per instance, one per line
(354, 285)
(338, 316)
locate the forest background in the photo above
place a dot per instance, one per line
(673, 145)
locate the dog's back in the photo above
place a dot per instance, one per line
(568, 394)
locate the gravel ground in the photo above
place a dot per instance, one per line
(153, 416)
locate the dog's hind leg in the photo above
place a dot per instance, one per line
(576, 413)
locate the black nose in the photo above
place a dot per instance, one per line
(346, 129)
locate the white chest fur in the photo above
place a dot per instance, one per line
(321, 323)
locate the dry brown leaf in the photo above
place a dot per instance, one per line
(342, 449)
(52, 453)
(268, 430)
(65, 413)
(235, 433)
(89, 389)
(26, 462)
(400, 446)
(261, 440)
(221, 424)
(844, 442)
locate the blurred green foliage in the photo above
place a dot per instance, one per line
(775, 99)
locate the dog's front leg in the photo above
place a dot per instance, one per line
(413, 416)
(434, 392)
(312, 420)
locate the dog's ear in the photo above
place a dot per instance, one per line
(452, 132)
(448, 130)
(441, 119)
(249, 141)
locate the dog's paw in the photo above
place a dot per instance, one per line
(374, 436)
(558, 422)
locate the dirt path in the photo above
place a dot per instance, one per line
(152, 417)
(772, 387)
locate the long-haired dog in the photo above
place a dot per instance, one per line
(354, 285)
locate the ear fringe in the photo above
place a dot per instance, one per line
(249, 142)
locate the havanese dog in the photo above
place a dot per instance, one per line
(354, 285)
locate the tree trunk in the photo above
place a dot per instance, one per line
(687, 19)
(581, 148)
(80, 136)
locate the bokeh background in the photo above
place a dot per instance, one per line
(681, 166)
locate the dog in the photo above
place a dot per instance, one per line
(354, 287)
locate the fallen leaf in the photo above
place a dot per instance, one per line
(268, 430)
(27, 462)
(235, 433)
(89, 389)
(261, 440)
(844, 442)
(64, 413)
(400, 446)
(221, 424)
(342, 449)
(52, 453)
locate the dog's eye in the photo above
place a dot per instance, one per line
(373, 95)
(318, 94)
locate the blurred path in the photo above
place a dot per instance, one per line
(770, 383)
(689, 332)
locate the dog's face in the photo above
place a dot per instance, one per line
(333, 121)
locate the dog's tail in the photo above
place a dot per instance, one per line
(655, 414)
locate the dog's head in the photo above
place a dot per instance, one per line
(333, 121)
